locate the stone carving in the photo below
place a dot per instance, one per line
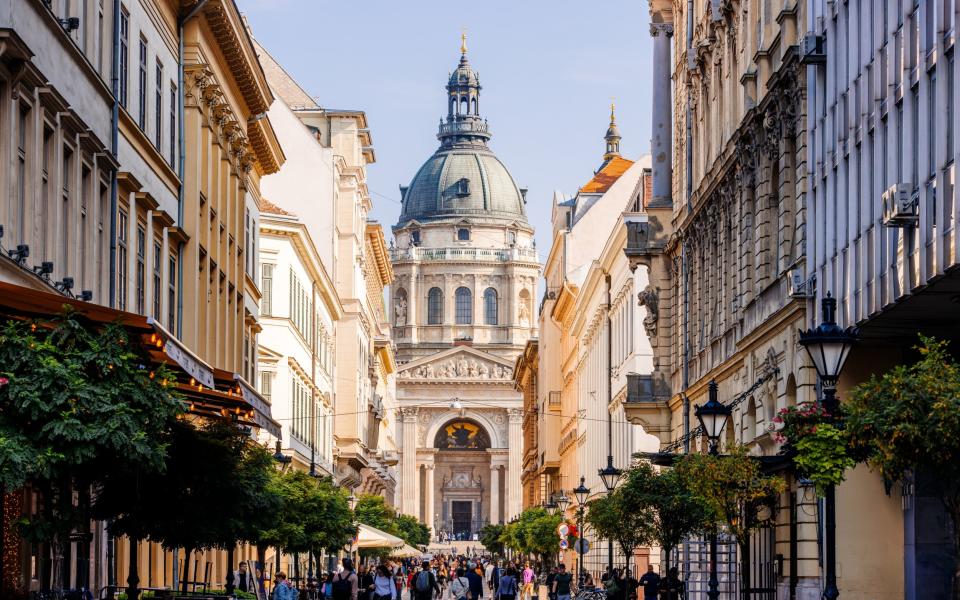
(400, 311)
(458, 368)
(648, 298)
(524, 313)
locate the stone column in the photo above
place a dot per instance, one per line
(429, 508)
(514, 443)
(408, 476)
(495, 493)
(662, 131)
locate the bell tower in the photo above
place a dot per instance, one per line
(612, 137)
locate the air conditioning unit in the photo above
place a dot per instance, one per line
(797, 286)
(812, 50)
(899, 206)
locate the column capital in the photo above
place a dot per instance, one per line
(408, 413)
(657, 28)
(515, 415)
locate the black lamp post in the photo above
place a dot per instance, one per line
(609, 475)
(581, 493)
(713, 418)
(829, 346)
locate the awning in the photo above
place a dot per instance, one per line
(205, 394)
(371, 537)
(406, 551)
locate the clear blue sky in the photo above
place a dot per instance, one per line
(548, 70)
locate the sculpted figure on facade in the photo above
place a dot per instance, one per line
(400, 311)
(648, 298)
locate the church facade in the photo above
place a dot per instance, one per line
(466, 272)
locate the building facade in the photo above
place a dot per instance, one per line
(324, 183)
(595, 327)
(883, 215)
(462, 311)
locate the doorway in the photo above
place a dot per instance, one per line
(462, 515)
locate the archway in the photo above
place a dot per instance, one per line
(462, 479)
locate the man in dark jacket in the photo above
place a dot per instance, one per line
(424, 583)
(476, 584)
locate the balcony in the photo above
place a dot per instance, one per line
(421, 254)
(642, 239)
(646, 405)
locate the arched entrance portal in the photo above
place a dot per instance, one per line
(462, 479)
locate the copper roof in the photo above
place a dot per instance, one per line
(269, 207)
(608, 174)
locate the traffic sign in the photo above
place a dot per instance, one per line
(564, 544)
(582, 546)
(563, 530)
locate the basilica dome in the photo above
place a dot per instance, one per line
(463, 178)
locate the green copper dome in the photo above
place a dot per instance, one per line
(463, 178)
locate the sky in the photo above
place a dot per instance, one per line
(548, 70)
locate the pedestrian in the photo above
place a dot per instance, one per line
(488, 575)
(283, 590)
(460, 586)
(588, 582)
(671, 588)
(383, 585)
(651, 583)
(346, 584)
(424, 583)
(241, 578)
(507, 588)
(562, 583)
(528, 578)
(365, 575)
(476, 584)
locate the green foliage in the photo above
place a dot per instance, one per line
(314, 514)
(374, 511)
(730, 487)
(491, 537)
(534, 531)
(413, 531)
(822, 456)
(672, 511)
(77, 401)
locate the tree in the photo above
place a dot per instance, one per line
(413, 531)
(79, 400)
(622, 519)
(374, 511)
(534, 531)
(733, 492)
(906, 423)
(491, 536)
(672, 512)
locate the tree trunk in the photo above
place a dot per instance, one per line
(261, 570)
(229, 581)
(133, 579)
(186, 569)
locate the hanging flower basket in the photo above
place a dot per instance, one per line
(817, 443)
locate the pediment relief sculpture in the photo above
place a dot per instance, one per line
(459, 367)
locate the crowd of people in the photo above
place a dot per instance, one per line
(448, 577)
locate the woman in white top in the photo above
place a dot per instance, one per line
(460, 586)
(383, 585)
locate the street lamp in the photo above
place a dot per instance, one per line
(829, 346)
(609, 475)
(581, 493)
(551, 507)
(562, 503)
(713, 418)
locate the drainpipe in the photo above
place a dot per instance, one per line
(689, 115)
(182, 159)
(685, 265)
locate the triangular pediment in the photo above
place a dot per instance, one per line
(461, 363)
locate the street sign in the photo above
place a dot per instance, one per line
(582, 546)
(563, 530)
(564, 544)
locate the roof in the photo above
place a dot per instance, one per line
(269, 207)
(608, 174)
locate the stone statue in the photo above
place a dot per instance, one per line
(649, 299)
(472, 370)
(430, 372)
(484, 371)
(524, 313)
(400, 312)
(462, 367)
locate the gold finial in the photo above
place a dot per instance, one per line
(613, 108)
(463, 42)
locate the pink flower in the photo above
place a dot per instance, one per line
(4, 381)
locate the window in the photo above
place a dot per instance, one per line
(101, 251)
(122, 221)
(266, 288)
(171, 291)
(434, 307)
(141, 281)
(300, 308)
(65, 221)
(157, 262)
(266, 387)
(463, 234)
(18, 218)
(101, 37)
(464, 306)
(415, 237)
(158, 108)
(47, 197)
(143, 84)
(173, 124)
(124, 56)
(84, 232)
(463, 187)
(490, 306)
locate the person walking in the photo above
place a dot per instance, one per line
(460, 586)
(651, 583)
(383, 586)
(561, 583)
(476, 584)
(528, 578)
(424, 583)
(284, 590)
(671, 588)
(507, 587)
(345, 584)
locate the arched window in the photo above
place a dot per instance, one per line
(434, 306)
(463, 234)
(473, 106)
(490, 306)
(464, 306)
